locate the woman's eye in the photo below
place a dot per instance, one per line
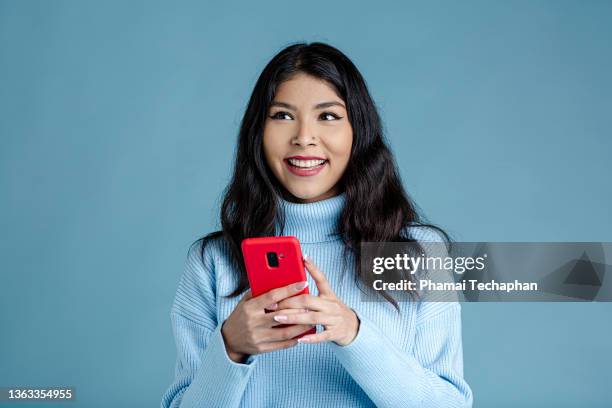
(280, 115)
(329, 116)
(325, 116)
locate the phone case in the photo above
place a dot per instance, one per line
(263, 276)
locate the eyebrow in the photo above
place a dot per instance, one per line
(321, 105)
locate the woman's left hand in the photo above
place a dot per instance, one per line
(340, 321)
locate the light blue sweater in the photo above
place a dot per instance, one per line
(412, 359)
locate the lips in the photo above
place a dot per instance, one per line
(305, 166)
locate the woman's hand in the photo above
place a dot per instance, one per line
(250, 330)
(340, 322)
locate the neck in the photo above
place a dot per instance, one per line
(313, 221)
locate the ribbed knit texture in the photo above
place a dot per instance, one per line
(412, 359)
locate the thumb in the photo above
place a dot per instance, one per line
(319, 277)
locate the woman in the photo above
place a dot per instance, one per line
(311, 162)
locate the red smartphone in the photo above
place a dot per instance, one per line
(274, 262)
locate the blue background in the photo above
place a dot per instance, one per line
(118, 122)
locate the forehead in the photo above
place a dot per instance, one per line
(305, 89)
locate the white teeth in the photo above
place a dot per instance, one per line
(306, 163)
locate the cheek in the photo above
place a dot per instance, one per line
(272, 148)
(340, 150)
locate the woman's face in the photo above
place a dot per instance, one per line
(307, 138)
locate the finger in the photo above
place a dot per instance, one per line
(268, 318)
(249, 295)
(276, 345)
(285, 333)
(309, 302)
(274, 296)
(272, 307)
(319, 277)
(312, 318)
(325, 335)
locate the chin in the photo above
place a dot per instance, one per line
(306, 194)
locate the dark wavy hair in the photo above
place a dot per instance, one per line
(377, 209)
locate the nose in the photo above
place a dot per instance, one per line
(304, 136)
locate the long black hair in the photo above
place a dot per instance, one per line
(377, 209)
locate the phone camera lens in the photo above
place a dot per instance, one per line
(272, 259)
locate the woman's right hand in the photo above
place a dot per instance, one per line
(250, 330)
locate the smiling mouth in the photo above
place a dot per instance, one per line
(305, 166)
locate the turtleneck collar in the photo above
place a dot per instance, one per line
(312, 222)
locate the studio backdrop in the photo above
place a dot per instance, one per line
(118, 124)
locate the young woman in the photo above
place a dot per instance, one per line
(312, 163)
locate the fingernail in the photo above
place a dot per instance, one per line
(300, 285)
(304, 339)
(272, 307)
(280, 318)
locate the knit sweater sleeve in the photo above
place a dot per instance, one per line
(204, 373)
(430, 374)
